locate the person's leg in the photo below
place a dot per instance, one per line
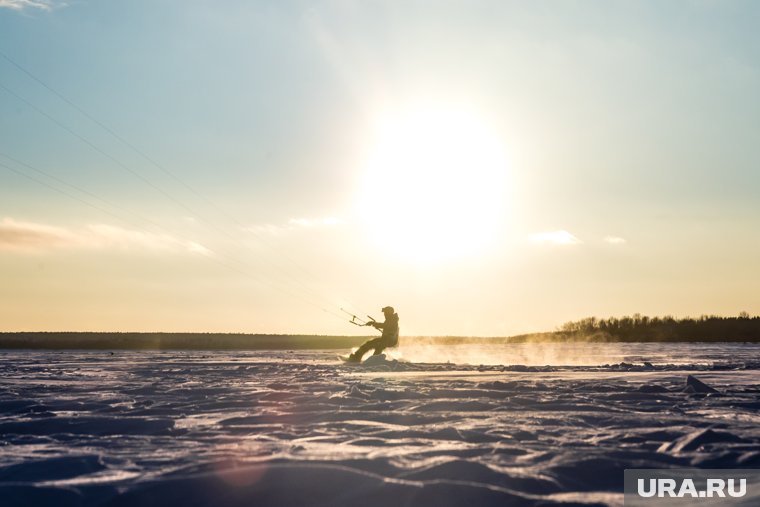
(369, 344)
(382, 345)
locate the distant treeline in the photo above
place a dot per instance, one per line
(219, 341)
(174, 341)
(638, 328)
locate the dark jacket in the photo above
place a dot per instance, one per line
(390, 330)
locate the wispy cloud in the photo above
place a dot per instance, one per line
(554, 238)
(28, 236)
(20, 5)
(295, 224)
(109, 236)
(24, 235)
(615, 240)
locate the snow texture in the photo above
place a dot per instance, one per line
(302, 428)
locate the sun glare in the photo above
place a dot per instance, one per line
(434, 185)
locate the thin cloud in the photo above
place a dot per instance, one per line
(109, 236)
(28, 236)
(194, 247)
(554, 238)
(295, 224)
(615, 240)
(24, 236)
(20, 5)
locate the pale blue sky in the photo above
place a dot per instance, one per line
(630, 120)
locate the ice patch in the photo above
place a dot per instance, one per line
(699, 439)
(694, 385)
(299, 428)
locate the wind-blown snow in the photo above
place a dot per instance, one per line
(301, 428)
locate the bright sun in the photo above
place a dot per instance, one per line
(434, 185)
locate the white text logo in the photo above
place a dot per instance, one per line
(671, 488)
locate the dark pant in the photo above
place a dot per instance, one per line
(376, 343)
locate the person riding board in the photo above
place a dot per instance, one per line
(389, 338)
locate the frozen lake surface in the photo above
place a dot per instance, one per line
(519, 425)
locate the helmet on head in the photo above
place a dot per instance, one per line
(388, 309)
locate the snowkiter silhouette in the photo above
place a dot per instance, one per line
(389, 338)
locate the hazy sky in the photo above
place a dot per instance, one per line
(488, 168)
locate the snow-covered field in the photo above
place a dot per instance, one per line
(300, 428)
